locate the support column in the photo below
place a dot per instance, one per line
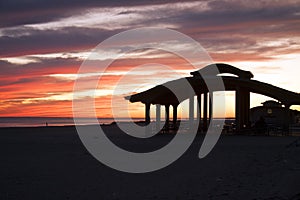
(199, 112)
(242, 108)
(175, 116)
(205, 112)
(287, 121)
(158, 117)
(167, 116)
(191, 110)
(211, 98)
(237, 109)
(147, 113)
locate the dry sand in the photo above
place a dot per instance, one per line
(51, 163)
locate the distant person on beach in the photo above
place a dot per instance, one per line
(46, 123)
(260, 125)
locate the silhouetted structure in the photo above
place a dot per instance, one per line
(242, 84)
(275, 114)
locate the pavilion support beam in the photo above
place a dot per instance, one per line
(191, 110)
(242, 108)
(147, 113)
(287, 121)
(175, 116)
(199, 112)
(158, 118)
(205, 111)
(167, 117)
(210, 114)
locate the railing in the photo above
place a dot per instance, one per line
(230, 129)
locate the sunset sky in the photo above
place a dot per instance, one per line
(43, 44)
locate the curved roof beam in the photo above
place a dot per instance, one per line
(224, 68)
(161, 94)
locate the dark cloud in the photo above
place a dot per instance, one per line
(49, 41)
(226, 14)
(227, 24)
(44, 67)
(227, 43)
(20, 12)
(34, 80)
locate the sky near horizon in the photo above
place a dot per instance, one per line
(43, 44)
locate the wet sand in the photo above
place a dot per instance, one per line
(52, 163)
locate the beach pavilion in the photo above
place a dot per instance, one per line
(241, 82)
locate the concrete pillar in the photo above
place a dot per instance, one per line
(147, 113)
(175, 116)
(205, 112)
(211, 98)
(191, 110)
(237, 109)
(242, 108)
(167, 116)
(199, 111)
(287, 121)
(158, 119)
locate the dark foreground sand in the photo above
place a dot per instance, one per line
(51, 163)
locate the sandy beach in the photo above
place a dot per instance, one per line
(52, 163)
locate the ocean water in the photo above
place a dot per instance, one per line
(54, 121)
